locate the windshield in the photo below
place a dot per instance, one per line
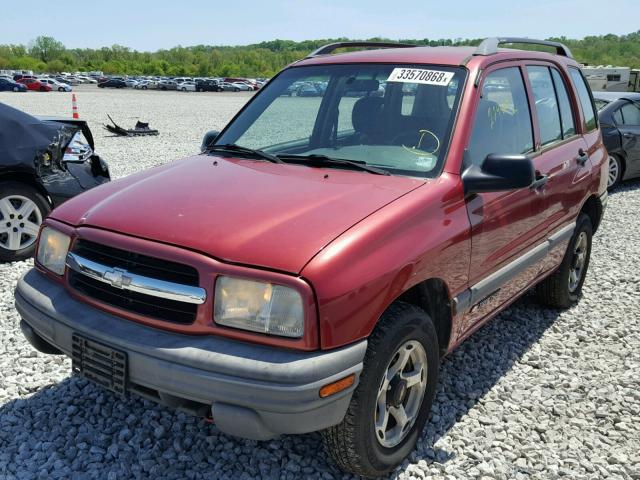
(395, 117)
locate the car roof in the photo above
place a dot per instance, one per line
(454, 56)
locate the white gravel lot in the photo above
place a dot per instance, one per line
(534, 394)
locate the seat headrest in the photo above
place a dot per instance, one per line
(366, 114)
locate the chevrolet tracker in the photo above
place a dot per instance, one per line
(308, 270)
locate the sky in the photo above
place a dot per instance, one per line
(151, 25)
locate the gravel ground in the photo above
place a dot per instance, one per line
(534, 394)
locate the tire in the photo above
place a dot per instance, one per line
(11, 194)
(560, 289)
(355, 444)
(615, 171)
(236, 89)
(60, 89)
(15, 89)
(144, 87)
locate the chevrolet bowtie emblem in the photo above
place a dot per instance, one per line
(117, 278)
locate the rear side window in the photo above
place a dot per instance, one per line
(585, 99)
(546, 104)
(630, 114)
(503, 119)
(566, 115)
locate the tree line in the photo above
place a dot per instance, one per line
(46, 54)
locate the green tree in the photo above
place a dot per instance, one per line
(46, 49)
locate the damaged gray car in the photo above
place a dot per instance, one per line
(43, 162)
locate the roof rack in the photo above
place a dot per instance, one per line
(489, 46)
(327, 49)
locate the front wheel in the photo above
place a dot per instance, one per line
(564, 287)
(391, 404)
(15, 89)
(22, 209)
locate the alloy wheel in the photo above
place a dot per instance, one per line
(400, 394)
(577, 263)
(614, 171)
(20, 220)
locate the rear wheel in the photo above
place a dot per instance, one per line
(61, 89)
(564, 287)
(22, 210)
(615, 171)
(390, 406)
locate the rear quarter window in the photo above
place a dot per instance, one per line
(586, 102)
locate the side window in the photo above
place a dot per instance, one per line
(546, 104)
(617, 117)
(503, 119)
(630, 114)
(585, 99)
(566, 114)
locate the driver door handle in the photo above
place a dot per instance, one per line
(540, 181)
(627, 135)
(582, 157)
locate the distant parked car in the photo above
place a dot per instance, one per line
(243, 86)
(228, 87)
(7, 85)
(35, 85)
(208, 86)
(187, 87)
(113, 83)
(130, 82)
(167, 85)
(619, 114)
(69, 79)
(146, 85)
(56, 85)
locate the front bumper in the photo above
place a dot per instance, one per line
(253, 391)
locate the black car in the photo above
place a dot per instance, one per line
(208, 86)
(113, 83)
(43, 162)
(619, 114)
(7, 85)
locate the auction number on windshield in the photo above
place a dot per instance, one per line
(417, 75)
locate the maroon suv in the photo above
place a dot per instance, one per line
(310, 267)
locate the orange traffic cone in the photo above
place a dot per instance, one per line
(74, 106)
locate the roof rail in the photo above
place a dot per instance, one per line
(327, 49)
(489, 46)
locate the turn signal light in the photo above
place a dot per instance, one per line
(337, 386)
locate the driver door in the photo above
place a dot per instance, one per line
(506, 227)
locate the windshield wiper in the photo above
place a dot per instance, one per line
(232, 147)
(324, 161)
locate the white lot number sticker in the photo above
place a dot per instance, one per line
(417, 75)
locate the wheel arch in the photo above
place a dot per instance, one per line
(432, 295)
(27, 179)
(592, 207)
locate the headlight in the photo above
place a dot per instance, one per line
(259, 307)
(52, 250)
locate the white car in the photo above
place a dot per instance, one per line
(187, 86)
(130, 82)
(242, 86)
(56, 85)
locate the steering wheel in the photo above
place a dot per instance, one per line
(423, 136)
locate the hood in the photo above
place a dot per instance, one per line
(250, 212)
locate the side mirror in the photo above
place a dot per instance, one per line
(208, 139)
(499, 173)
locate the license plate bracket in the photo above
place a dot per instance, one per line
(99, 363)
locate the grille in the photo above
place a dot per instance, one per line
(139, 303)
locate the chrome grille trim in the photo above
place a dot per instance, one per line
(122, 279)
